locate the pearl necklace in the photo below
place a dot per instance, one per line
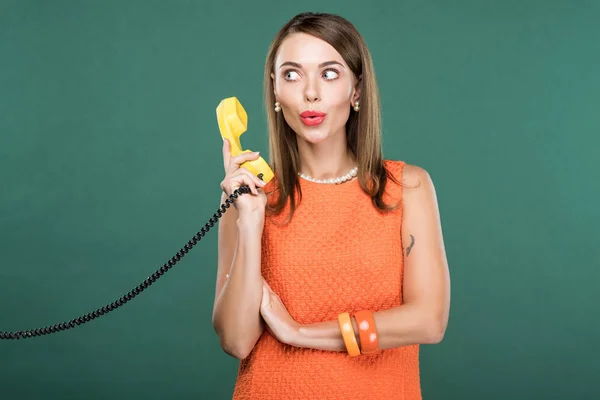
(335, 181)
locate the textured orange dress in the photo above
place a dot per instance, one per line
(337, 254)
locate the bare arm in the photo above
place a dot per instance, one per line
(236, 310)
(423, 316)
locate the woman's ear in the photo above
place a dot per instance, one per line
(357, 90)
(273, 79)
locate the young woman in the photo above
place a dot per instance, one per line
(332, 274)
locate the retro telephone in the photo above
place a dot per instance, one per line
(233, 121)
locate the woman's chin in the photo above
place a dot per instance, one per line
(315, 139)
(314, 136)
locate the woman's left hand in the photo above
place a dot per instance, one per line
(278, 320)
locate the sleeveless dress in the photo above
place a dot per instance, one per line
(338, 254)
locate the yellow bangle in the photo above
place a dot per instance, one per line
(348, 334)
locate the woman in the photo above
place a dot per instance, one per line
(325, 290)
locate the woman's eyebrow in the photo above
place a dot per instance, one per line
(324, 64)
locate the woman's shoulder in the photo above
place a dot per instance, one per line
(409, 174)
(395, 167)
(391, 164)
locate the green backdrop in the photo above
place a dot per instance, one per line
(110, 160)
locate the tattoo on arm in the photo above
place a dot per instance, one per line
(412, 242)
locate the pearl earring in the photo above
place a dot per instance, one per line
(356, 106)
(277, 106)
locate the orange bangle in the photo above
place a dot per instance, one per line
(367, 330)
(348, 334)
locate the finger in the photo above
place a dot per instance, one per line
(226, 154)
(265, 297)
(269, 288)
(268, 328)
(244, 180)
(238, 160)
(239, 178)
(245, 177)
(267, 285)
(255, 181)
(269, 300)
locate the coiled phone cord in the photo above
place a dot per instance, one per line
(140, 288)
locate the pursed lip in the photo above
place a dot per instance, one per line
(312, 113)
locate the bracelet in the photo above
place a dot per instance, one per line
(348, 334)
(369, 341)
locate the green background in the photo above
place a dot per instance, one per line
(110, 160)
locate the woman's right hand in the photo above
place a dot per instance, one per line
(235, 176)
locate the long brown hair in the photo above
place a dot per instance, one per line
(363, 129)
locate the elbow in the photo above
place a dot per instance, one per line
(236, 351)
(232, 346)
(434, 331)
(434, 337)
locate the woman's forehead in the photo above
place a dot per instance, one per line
(307, 50)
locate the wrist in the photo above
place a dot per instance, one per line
(250, 222)
(296, 336)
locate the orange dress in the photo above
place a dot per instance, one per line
(337, 254)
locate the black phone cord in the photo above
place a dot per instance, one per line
(137, 290)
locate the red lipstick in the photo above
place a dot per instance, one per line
(312, 118)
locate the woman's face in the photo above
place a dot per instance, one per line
(315, 87)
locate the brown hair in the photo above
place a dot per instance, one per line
(363, 129)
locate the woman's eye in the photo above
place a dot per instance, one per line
(331, 74)
(291, 75)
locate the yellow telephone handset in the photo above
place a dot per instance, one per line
(233, 121)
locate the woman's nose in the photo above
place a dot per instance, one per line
(311, 91)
